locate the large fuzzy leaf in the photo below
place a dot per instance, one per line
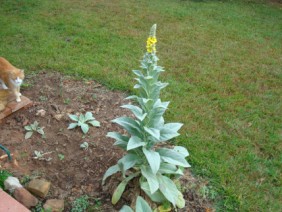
(181, 150)
(153, 159)
(135, 142)
(120, 189)
(128, 161)
(156, 196)
(137, 111)
(142, 205)
(126, 208)
(129, 124)
(173, 157)
(155, 133)
(118, 192)
(156, 114)
(169, 131)
(138, 73)
(151, 178)
(121, 140)
(167, 168)
(170, 191)
(112, 170)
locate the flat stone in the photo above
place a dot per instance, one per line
(26, 198)
(39, 187)
(11, 183)
(54, 205)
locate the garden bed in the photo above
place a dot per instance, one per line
(73, 171)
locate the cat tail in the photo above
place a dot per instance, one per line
(4, 95)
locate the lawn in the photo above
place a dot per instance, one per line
(222, 60)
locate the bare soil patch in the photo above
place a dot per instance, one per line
(72, 171)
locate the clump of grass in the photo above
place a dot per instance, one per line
(3, 176)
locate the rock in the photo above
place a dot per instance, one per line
(11, 183)
(58, 117)
(39, 187)
(41, 113)
(54, 205)
(24, 197)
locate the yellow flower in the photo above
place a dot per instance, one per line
(151, 44)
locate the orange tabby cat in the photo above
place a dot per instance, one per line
(11, 77)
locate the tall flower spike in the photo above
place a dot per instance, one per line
(153, 30)
(152, 40)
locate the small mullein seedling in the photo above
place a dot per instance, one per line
(34, 128)
(83, 121)
(39, 155)
(84, 146)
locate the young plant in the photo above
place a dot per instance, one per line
(84, 146)
(39, 155)
(61, 156)
(155, 166)
(33, 128)
(83, 121)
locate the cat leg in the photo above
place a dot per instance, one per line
(16, 93)
(4, 86)
(18, 90)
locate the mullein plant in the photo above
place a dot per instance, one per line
(155, 166)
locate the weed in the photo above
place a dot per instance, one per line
(26, 85)
(61, 156)
(43, 98)
(80, 204)
(67, 101)
(34, 128)
(84, 145)
(83, 121)
(3, 176)
(38, 207)
(39, 155)
(25, 179)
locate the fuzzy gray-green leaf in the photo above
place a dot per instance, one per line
(151, 178)
(94, 123)
(135, 142)
(28, 135)
(173, 157)
(126, 208)
(112, 170)
(153, 159)
(73, 117)
(142, 205)
(72, 126)
(84, 128)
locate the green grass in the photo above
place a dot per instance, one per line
(223, 61)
